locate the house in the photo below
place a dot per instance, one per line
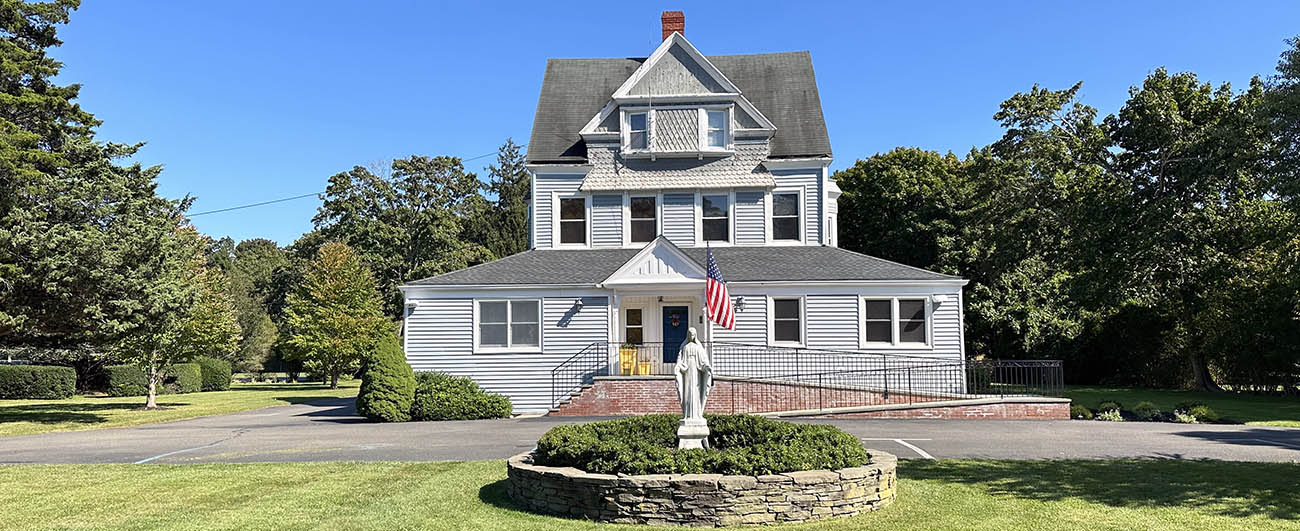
(640, 166)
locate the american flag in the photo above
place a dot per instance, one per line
(719, 301)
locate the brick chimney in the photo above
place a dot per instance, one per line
(673, 21)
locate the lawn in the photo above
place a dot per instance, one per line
(20, 417)
(950, 494)
(1251, 409)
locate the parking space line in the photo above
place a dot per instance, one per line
(915, 448)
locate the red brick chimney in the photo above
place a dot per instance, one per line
(673, 21)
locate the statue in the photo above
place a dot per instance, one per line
(694, 375)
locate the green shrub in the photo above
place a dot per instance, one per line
(1183, 417)
(387, 384)
(441, 396)
(1110, 415)
(37, 381)
(1146, 411)
(1203, 413)
(215, 373)
(129, 380)
(739, 444)
(1187, 405)
(1109, 405)
(1080, 412)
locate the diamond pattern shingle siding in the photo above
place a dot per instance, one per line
(676, 130)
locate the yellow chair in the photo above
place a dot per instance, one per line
(627, 361)
(643, 368)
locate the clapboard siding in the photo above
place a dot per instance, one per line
(750, 219)
(832, 322)
(544, 205)
(439, 337)
(606, 220)
(810, 181)
(679, 218)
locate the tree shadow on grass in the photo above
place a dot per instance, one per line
(1229, 489)
(86, 412)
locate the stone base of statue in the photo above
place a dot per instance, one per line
(693, 433)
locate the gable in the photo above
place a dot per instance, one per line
(660, 262)
(676, 72)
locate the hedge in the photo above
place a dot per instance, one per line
(37, 381)
(129, 380)
(215, 373)
(387, 384)
(739, 444)
(440, 396)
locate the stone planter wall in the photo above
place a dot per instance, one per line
(703, 500)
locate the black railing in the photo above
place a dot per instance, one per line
(803, 379)
(579, 370)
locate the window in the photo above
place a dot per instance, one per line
(896, 322)
(634, 329)
(573, 220)
(509, 324)
(638, 130)
(716, 128)
(644, 226)
(713, 215)
(911, 321)
(785, 216)
(786, 317)
(879, 324)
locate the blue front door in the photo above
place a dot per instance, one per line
(676, 321)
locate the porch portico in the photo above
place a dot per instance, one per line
(654, 298)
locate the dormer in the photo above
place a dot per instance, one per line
(677, 104)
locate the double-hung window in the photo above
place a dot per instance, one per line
(785, 216)
(638, 131)
(573, 220)
(716, 128)
(634, 327)
(787, 320)
(715, 218)
(895, 322)
(509, 324)
(644, 222)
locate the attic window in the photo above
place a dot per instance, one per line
(716, 126)
(638, 131)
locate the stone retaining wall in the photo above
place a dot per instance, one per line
(703, 500)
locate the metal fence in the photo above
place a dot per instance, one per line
(757, 378)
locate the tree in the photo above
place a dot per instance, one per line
(387, 384)
(502, 225)
(335, 316)
(250, 269)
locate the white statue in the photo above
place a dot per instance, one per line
(694, 375)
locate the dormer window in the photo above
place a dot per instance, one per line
(638, 131)
(716, 128)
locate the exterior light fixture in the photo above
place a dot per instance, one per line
(740, 304)
(577, 303)
(939, 298)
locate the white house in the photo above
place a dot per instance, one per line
(638, 165)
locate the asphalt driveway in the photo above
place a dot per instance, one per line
(329, 431)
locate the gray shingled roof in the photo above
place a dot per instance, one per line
(781, 85)
(738, 264)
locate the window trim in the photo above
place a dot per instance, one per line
(626, 326)
(800, 231)
(729, 116)
(509, 348)
(625, 130)
(895, 331)
(557, 240)
(731, 218)
(771, 321)
(627, 217)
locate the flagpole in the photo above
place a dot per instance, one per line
(708, 321)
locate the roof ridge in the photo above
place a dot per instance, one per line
(892, 262)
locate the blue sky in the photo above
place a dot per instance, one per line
(249, 101)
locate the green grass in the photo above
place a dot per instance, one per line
(1247, 408)
(950, 494)
(21, 417)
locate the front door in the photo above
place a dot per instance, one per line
(676, 321)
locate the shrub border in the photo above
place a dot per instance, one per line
(703, 499)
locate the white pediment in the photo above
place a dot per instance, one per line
(660, 262)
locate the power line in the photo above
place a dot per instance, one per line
(303, 196)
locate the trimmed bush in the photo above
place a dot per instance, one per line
(37, 381)
(1108, 406)
(387, 384)
(1183, 417)
(1187, 405)
(1110, 415)
(1203, 413)
(1146, 411)
(1080, 412)
(129, 380)
(739, 444)
(440, 396)
(214, 372)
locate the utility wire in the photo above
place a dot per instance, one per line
(283, 199)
